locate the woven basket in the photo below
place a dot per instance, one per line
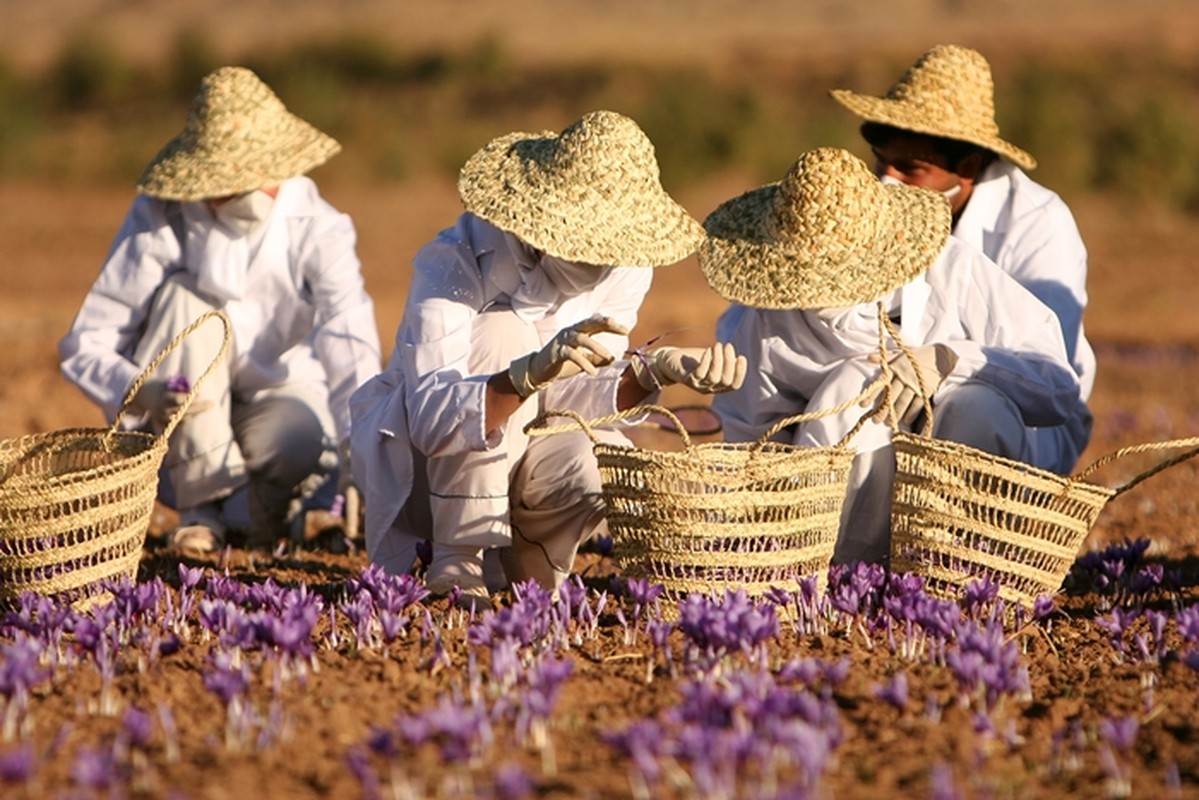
(720, 516)
(75, 504)
(959, 514)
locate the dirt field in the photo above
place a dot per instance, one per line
(313, 737)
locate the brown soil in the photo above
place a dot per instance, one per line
(1141, 319)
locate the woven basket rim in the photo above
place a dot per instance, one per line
(914, 442)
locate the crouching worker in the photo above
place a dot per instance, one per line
(226, 219)
(522, 306)
(807, 263)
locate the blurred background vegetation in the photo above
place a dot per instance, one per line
(1112, 122)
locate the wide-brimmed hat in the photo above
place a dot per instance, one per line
(239, 137)
(591, 194)
(829, 234)
(948, 92)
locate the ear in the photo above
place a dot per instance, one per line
(969, 167)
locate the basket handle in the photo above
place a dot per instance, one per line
(871, 390)
(150, 368)
(538, 426)
(1172, 444)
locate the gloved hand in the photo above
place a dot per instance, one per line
(571, 351)
(160, 403)
(935, 362)
(707, 370)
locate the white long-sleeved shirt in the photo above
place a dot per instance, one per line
(427, 398)
(303, 318)
(1029, 232)
(1002, 335)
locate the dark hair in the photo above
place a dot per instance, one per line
(877, 134)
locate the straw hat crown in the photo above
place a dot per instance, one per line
(238, 137)
(590, 194)
(829, 234)
(948, 92)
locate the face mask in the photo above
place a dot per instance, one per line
(948, 194)
(572, 278)
(246, 212)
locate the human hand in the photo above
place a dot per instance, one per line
(571, 351)
(160, 401)
(934, 362)
(707, 370)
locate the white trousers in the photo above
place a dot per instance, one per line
(276, 442)
(534, 499)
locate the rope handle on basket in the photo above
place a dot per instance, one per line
(150, 368)
(870, 391)
(1172, 444)
(537, 427)
(887, 327)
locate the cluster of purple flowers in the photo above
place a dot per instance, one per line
(745, 734)
(738, 726)
(1120, 575)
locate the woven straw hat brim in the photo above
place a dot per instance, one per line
(627, 219)
(745, 264)
(911, 117)
(187, 170)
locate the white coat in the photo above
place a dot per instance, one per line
(1028, 231)
(303, 315)
(426, 398)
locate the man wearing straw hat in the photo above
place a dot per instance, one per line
(227, 219)
(809, 261)
(936, 128)
(524, 305)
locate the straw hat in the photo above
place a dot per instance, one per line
(238, 138)
(949, 93)
(591, 194)
(829, 234)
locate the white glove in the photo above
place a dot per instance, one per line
(571, 351)
(707, 370)
(160, 403)
(935, 362)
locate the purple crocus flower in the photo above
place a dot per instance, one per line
(94, 769)
(360, 766)
(137, 727)
(1119, 732)
(178, 383)
(512, 783)
(17, 765)
(894, 692)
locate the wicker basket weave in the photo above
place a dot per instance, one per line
(720, 516)
(75, 504)
(959, 514)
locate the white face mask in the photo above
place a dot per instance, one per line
(572, 278)
(948, 194)
(245, 213)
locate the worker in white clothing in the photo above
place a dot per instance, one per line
(524, 305)
(226, 219)
(936, 128)
(809, 260)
